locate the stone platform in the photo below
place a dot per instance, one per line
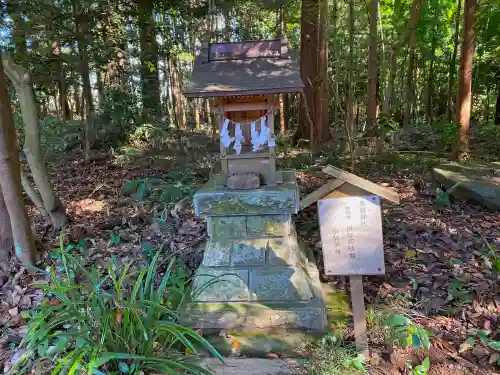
(480, 181)
(254, 274)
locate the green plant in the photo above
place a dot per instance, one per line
(406, 333)
(330, 356)
(421, 369)
(112, 321)
(443, 197)
(491, 258)
(176, 187)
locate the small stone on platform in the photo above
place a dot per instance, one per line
(243, 181)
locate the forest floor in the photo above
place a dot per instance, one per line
(438, 263)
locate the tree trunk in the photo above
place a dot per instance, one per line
(350, 124)
(335, 55)
(386, 106)
(10, 183)
(280, 31)
(372, 72)
(308, 66)
(149, 62)
(33, 195)
(322, 130)
(453, 61)
(430, 84)
(176, 92)
(6, 240)
(409, 90)
(497, 110)
(82, 31)
(61, 82)
(21, 80)
(464, 99)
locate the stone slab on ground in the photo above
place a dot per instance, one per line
(480, 181)
(252, 366)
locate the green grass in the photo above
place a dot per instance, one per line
(112, 321)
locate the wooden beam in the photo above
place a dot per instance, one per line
(321, 192)
(233, 107)
(369, 186)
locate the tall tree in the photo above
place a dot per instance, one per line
(21, 80)
(322, 125)
(453, 62)
(82, 36)
(149, 61)
(464, 99)
(10, 183)
(308, 66)
(372, 71)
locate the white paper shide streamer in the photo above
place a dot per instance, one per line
(224, 134)
(258, 139)
(238, 138)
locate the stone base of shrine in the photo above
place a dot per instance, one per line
(260, 283)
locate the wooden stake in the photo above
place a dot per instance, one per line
(358, 312)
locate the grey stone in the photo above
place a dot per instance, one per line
(480, 182)
(248, 366)
(249, 252)
(217, 253)
(279, 284)
(280, 252)
(243, 181)
(212, 199)
(268, 225)
(227, 226)
(221, 285)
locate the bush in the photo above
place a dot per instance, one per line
(58, 136)
(112, 321)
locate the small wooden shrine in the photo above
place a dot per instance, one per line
(258, 276)
(243, 79)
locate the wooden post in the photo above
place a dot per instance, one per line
(358, 312)
(272, 149)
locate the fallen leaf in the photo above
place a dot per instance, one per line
(14, 311)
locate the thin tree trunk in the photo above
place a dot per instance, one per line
(372, 72)
(336, 57)
(280, 31)
(322, 131)
(409, 89)
(6, 240)
(33, 195)
(464, 101)
(497, 110)
(21, 80)
(390, 84)
(308, 66)
(350, 125)
(430, 85)
(61, 82)
(10, 183)
(149, 62)
(82, 31)
(176, 92)
(453, 62)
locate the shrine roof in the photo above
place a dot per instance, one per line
(246, 68)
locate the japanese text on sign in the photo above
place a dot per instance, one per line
(351, 235)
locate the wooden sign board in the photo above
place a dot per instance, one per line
(351, 235)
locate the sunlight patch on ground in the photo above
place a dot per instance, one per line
(87, 206)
